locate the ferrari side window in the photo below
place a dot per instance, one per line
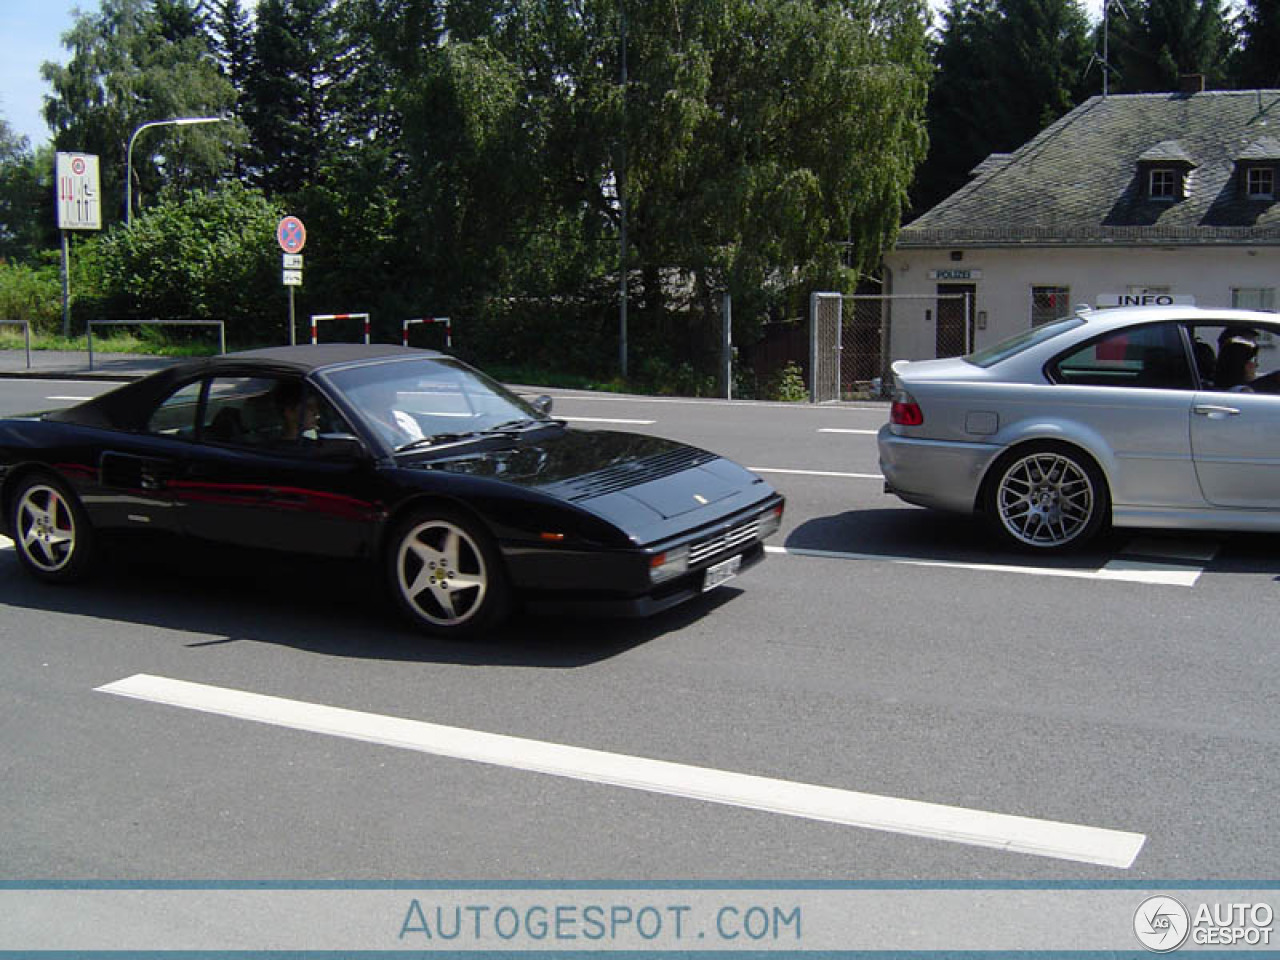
(176, 415)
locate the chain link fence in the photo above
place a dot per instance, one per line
(849, 352)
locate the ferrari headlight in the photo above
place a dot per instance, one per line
(770, 522)
(672, 563)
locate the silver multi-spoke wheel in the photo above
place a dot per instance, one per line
(50, 529)
(442, 574)
(1048, 499)
(46, 528)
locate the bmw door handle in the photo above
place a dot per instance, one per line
(1215, 412)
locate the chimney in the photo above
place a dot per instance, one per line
(1191, 83)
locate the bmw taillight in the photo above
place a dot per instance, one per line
(905, 412)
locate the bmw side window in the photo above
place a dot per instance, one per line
(176, 415)
(1152, 357)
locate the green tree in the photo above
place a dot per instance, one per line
(289, 95)
(27, 223)
(199, 254)
(1161, 40)
(1006, 69)
(133, 62)
(1257, 63)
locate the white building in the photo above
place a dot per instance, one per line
(1171, 195)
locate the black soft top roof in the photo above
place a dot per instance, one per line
(124, 408)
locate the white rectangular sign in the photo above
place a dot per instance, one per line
(292, 278)
(79, 196)
(292, 261)
(1145, 300)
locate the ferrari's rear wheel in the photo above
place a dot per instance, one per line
(50, 530)
(1047, 496)
(446, 574)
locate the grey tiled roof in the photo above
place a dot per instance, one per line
(1078, 181)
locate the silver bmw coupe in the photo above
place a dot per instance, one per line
(1136, 417)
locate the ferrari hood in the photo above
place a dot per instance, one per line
(608, 472)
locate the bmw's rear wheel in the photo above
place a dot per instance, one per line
(1047, 496)
(446, 574)
(50, 530)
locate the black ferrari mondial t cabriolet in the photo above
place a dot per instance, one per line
(468, 497)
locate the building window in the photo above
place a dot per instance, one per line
(1164, 183)
(1261, 182)
(1253, 298)
(1049, 304)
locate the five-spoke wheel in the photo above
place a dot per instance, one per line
(1047, 496)
(50, 529)
(446, 575)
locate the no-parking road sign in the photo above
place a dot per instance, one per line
(291, 235)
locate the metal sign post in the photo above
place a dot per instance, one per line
(79, 208)
(292, 237)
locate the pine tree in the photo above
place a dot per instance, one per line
(1005, 69)
(1159, 41)
(1257, 64)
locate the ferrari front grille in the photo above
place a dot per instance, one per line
(702, 550)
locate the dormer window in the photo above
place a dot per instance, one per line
(1165, 171)
(1260, 183)
(1163, 183)
(1256, 169)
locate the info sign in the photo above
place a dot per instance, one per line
(79, 196)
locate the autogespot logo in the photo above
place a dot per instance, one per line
(1162, 924)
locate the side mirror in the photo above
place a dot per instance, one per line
(339, 446)
(543, 405)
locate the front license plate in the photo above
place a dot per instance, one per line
(722, 571)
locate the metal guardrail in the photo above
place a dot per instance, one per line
(448, 329)
(220, 324)
(26, 330)
(315, 333)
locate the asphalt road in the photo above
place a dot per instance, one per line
(1128, 692)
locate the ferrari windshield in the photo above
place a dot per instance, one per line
(422, 401)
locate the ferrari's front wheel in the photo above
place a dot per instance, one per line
(50, 530)
(446, 574)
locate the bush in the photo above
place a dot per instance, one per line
(787, 385)
(33, 294)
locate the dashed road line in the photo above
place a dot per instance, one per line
(865, 433)
(1130, 567)
(606, 420)
(1046, 838)
(818, 473)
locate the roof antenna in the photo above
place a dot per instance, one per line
(1101, 59)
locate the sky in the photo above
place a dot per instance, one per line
(31, 33)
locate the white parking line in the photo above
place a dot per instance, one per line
(605, 420)
(818, 473)
(1121, 569)
(1047, 838)
(865, 433)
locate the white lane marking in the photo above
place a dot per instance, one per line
(48, 380)
(818, 473)
(709, 402)
(606, 420)
(865, 433)
(1048, 838)
(1127, 571)
(5, 543)
(68, 398)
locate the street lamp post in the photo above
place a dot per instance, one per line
(128, 167)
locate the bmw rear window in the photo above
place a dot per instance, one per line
(990, 356)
